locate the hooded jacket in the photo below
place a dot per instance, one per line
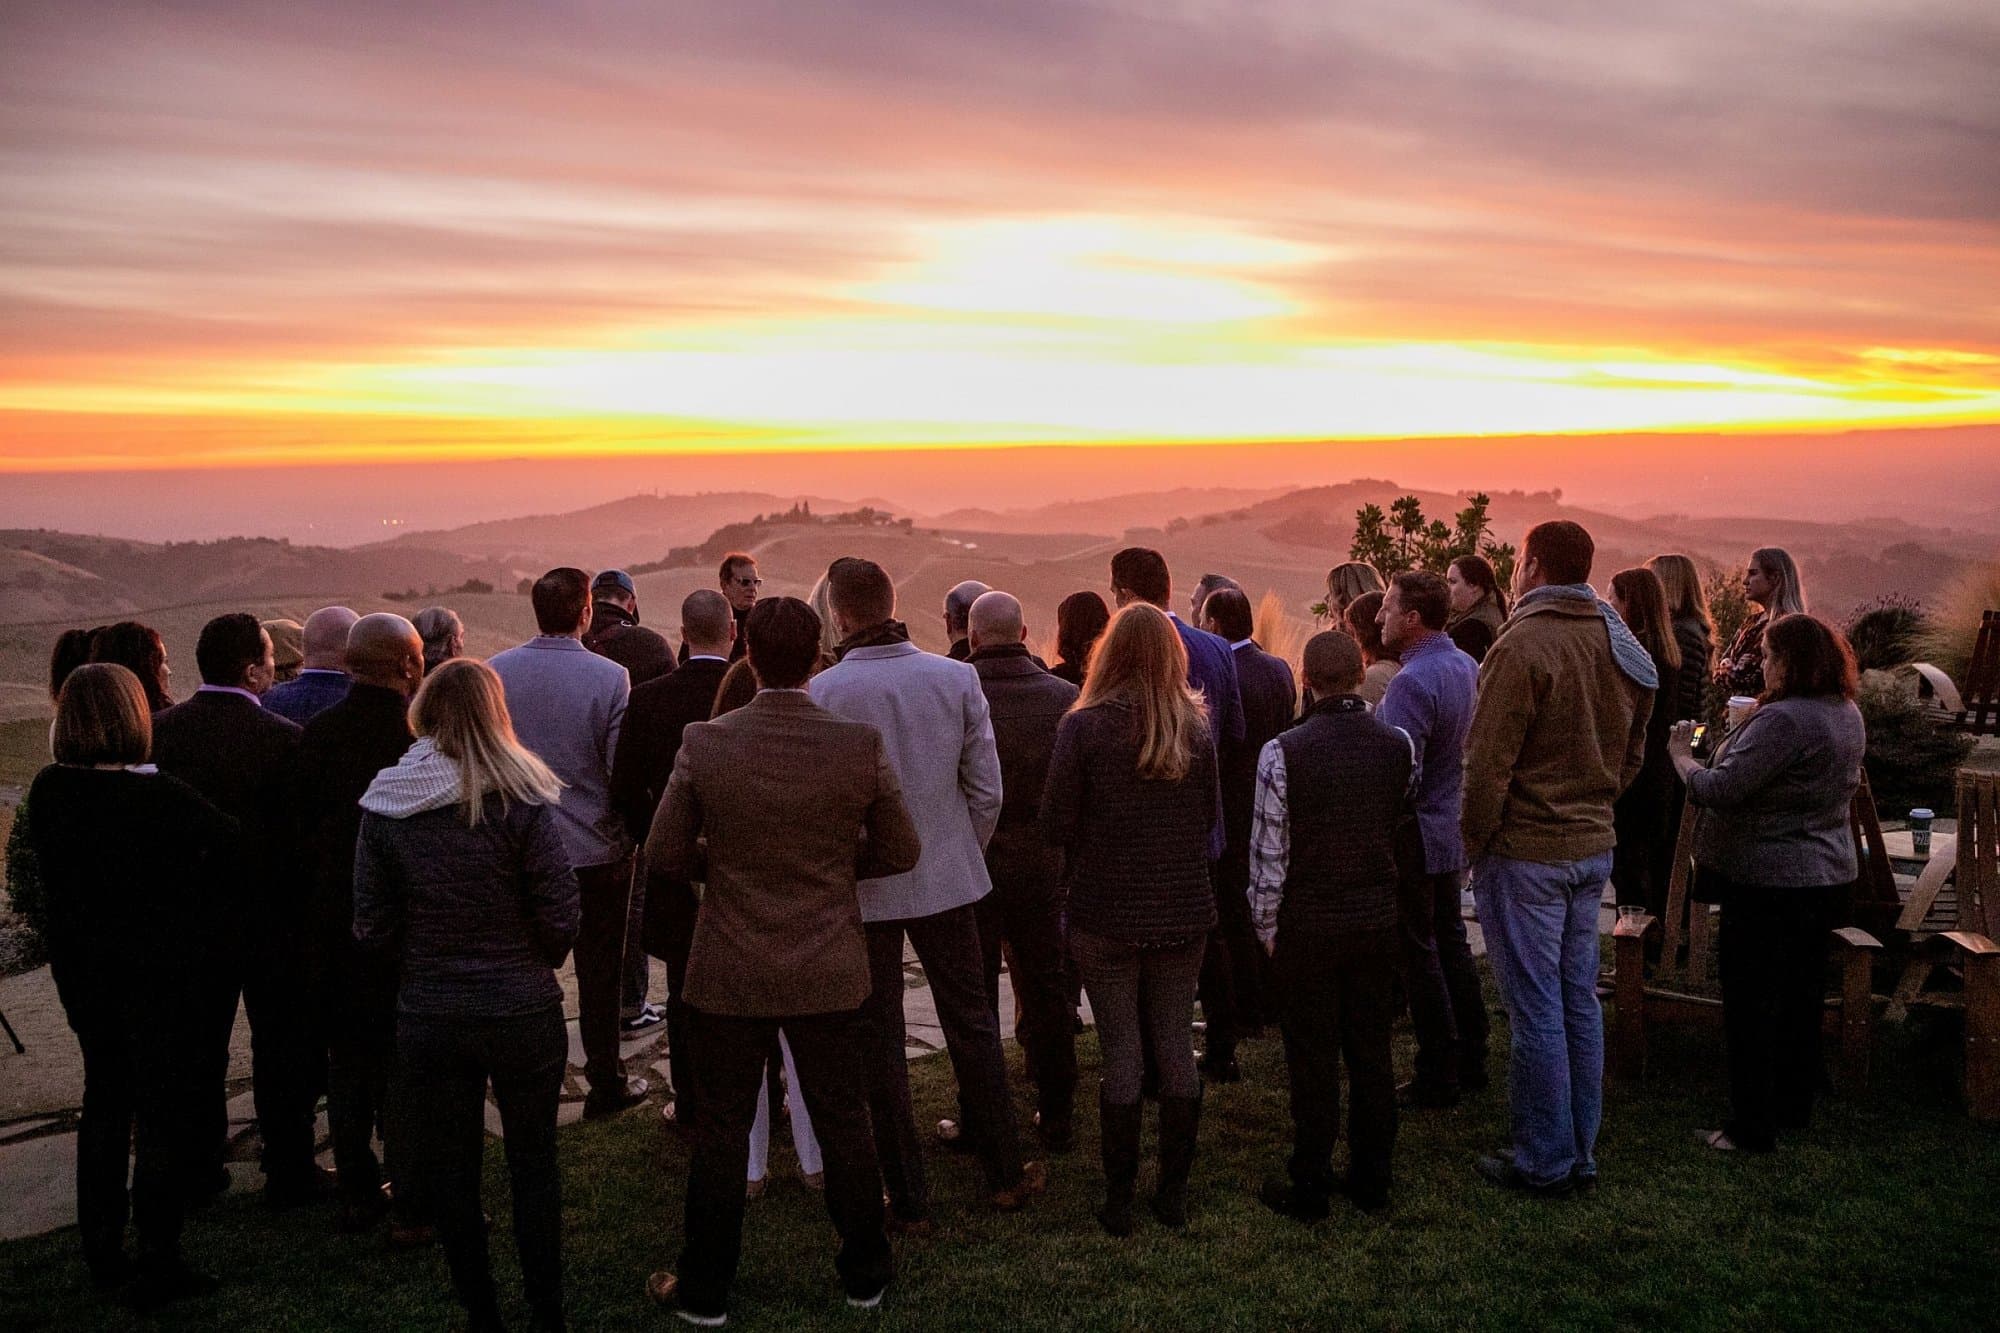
(1558, 731)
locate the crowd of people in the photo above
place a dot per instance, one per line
(386, 858)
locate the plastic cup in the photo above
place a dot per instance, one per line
(1740, 708)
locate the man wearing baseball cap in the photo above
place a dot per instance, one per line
(615, 631)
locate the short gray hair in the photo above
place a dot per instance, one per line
(438, 625)
(958, 602)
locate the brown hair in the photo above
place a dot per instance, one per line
(560, 598)
(861, 591)
(1364, 622)
(1478, 571)
(1426, 594)
(101, 718)
(1080, 621)
(1686, 598)
(462, 708)
(729, 562)
(1645, 600)
(1563, 549)
(1140, 660)
(1813, 658)
(139, 649)
(1142, 571)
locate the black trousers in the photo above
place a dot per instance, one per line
(1337, 996)
(1028, 916)
(287, 1059)
(947, 944)
(446, 1063)
(143, 1103)
(671, 909)
(1233, 970)
(729, 1055)
(606, 893)
(359, 1021)
(1772, 960)
(1447, 1009)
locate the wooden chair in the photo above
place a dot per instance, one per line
(1950, 922)
(1683, 988)
(1977, 708)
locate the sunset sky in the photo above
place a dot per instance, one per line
(359, 231)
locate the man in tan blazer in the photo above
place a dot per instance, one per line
(778, 808)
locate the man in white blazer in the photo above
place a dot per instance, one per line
(939, 736)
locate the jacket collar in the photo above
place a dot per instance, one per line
(1338, 703)
(880, 651)
(1011, 659)
(561, 643)
(782, 700)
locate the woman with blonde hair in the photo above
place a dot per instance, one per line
(1694, 632)
(461, 876)
(1773, 585)
(1132, 792)
(1345, 582)
(1643, 812)
(128, 858)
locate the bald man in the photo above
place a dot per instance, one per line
(353, 994)
(322, 679)
(1024, 908)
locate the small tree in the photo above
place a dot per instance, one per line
(1372, 543)
(1407, 513)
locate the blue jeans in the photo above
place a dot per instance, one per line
(1540, 923)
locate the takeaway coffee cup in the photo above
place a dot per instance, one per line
(1740, 708)
(1920, 832)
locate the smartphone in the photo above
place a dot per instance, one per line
(1700, 733)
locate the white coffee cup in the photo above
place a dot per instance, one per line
(1741, 706)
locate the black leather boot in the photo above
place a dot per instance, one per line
(1119, 1134)
(1180, 1119)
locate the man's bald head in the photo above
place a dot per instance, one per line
(995, 621)
(385, 650)
(708, 623)
(958, 605)
(326, 638)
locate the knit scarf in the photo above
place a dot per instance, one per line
(1627, 651)
(875, 636)
(421, 780)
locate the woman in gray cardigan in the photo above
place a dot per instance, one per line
(1772, 846)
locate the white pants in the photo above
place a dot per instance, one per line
(803, 1141)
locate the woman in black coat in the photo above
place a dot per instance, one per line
(1132, 793)
(128, 857)
(461, 877)
(1643, 813)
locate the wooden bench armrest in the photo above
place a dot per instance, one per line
(1936, 871)
(1856, 938)
(1633, 928)
(1974, 944)
(1945, 693)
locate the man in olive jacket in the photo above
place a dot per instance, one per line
(1558, 732)
(778, 808)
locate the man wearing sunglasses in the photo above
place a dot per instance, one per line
(739, 583)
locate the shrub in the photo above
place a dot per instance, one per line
(25, 894)
(1884, 633)
(1911, 761)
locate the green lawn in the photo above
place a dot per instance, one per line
(1885, 1215)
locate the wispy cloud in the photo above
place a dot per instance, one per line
(1005, 220)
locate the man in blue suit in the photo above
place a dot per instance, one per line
(1140, 575)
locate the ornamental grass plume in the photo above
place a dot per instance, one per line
(1951, 622)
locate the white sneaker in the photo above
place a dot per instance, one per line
(868, 1302)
